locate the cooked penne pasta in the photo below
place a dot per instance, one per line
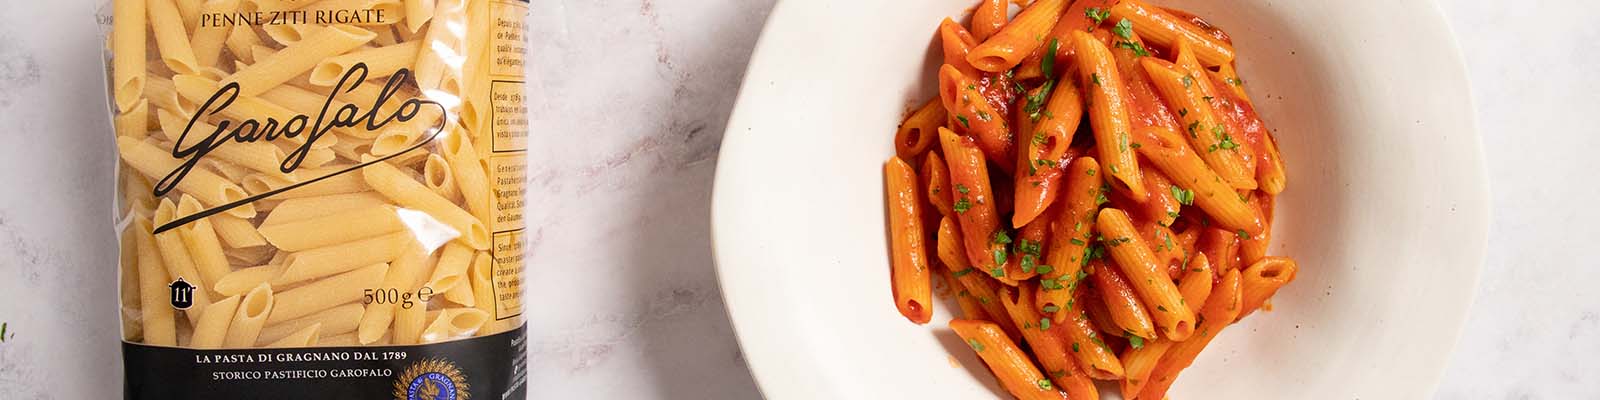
(1013, 367)
(1166, 201)
(913, 296)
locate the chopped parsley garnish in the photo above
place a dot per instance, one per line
(1044, 269)
(1036, 101)
(1161, 308)
(1097, 15)
(1000, 237)
(1188, 80)
(998, 272)
(963, 205)
(1044, 324)
(1044, 384)
(1243, 235)
(961, 273)
(1123, 29)
(1051, 284)
(1039, 138)
(1234, 81)
(976, 346)
(984, 116)
(1089, 172)
(1194, 126)
(1135, 341)
(1076, 241)
(1094, 77)
(1138, 49)
(1184, 196)
(1048, 64)
(1227, 143)
(964, 122)
(1183, 112)
(962, 188)
(1074, 347)
(1027, 263)
(999, 256)
(1051, 309)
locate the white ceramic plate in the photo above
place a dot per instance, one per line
(1385, 208)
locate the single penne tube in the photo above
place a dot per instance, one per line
(303, 208)
(330, 230)
(326, 293)
(1168, 30)
(235, 232)
(248, 319)
(462, 295)
(1163, 206)
(1254, 248)
(1047, 346)
(402, 272)
(209, 39)
(956, 43)
(908, 254)
(952, 254)
(380, 62)
(298, 58)
(454, 323)
(418, 12)
(920, 130)
(1026, 256)
(201, 240)
(989, 18)
(408, 325)
(974, 204)
(305, 337)
(1071, 233)
(1138, 363)
(327, 185)
(1196, 283)
(1134, 259)
(212, 190)
(965, 300)
(1108, 113)
(481, 274)
(172, 40)
(1099, 313)
(1127, 311)
(1221, 307)
(1006, 48)
(386, 36)
(441, 56)
(1043, 155)
(936, 182)
(180, 264)
(131, 124)
(334, 321)
(450, 271)
(1014, 369)
(340, 258)
(242, 280)
(469, 173)
(157, 319)
(128, 43)
(1171, 153)
(1263, 279)
(1206, 134)
(212, 328)
(1082, 338)
(409, 193)
(966, 103)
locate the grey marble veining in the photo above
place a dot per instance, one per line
(630, 101)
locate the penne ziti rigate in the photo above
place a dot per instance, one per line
(331, 185)
(1117, 140)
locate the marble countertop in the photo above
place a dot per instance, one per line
(633, 95)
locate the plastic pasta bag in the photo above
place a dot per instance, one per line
(320, 199)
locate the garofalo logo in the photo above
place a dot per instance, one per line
(306, 126)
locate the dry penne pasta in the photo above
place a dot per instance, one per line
(297, 175)
(1131, 241)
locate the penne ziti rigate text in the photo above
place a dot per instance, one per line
(320, 198)
(1098, 167)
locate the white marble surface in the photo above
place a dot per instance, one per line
(621, 292)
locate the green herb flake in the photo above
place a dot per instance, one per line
(1243, 235)
(1089, 172)
(1138, 49)
(961, 273)
(962, 188)
(976, 346)
(1097, 15)
(1051, 309)
(1000, 237)
(998, 272)
(963, 205)
(1048, 64)
(1135, 341)
(1075, 241)
(964, 122)
(1184, 196)
(1188, 80)
(1044, 324)
(1074, 347)
(984, 116)
(1044, 269)
(1094, 77)
(1161, 308)
(1123, 29)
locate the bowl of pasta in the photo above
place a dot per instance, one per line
(1128, 199)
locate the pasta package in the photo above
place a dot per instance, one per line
(320, 199)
